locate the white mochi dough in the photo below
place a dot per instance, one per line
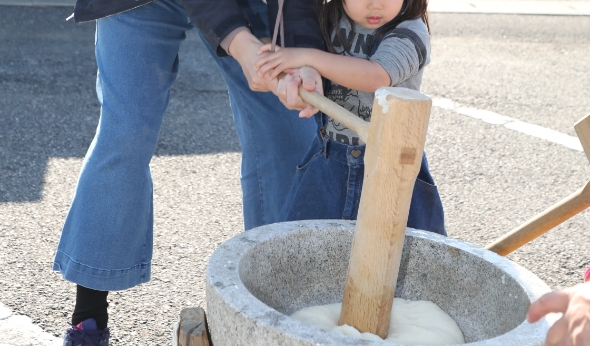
(412, 322)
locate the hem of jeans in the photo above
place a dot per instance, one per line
(101, 279)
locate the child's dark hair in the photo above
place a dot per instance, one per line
(330, 12)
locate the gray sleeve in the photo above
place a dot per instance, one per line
(403, 53)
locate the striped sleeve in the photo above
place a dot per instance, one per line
(405, 51)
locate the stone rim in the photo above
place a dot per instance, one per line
(223, 280)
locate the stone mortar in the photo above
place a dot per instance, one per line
(258, 278)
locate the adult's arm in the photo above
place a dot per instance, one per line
(301, 25)
(216, 19)
(301, 30)
(222, 21)
(244, 47)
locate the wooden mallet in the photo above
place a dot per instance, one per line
(555, 215)
(395, 140)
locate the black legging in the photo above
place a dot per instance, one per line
(91, 304)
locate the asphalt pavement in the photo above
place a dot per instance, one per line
(529, 67)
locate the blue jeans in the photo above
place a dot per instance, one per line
(106, 242)
(329, 181)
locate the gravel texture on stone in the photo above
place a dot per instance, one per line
(258, 278)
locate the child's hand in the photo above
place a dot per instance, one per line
(279, 61)
(288, 89)
(573, 328)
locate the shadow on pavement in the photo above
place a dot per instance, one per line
(48, 105)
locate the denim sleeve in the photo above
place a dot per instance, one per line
(215, 19)
(218, 18)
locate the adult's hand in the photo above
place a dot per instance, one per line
(573, 328)
(288, 89)
(244, 48)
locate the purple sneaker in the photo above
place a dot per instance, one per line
(86, 334)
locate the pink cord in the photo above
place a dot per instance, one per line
(279, 24)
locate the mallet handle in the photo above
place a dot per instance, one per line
(568, 207)
(335, 111)
(560, 212)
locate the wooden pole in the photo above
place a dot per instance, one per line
(335, 111)
(538, 225)
(392, 162)
(560, 212)
(582, 128)
(191, 328)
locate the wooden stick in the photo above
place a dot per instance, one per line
(582, 128)
(537, 226)
(335, 111)
(550, 218)
(392, 161)
(191, 328)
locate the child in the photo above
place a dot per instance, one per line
(371, 43)
(573, 327)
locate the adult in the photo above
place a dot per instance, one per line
(106, 242)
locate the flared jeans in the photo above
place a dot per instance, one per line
(107, 238)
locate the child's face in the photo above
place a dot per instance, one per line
(372, 14)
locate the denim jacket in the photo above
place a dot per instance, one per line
(218, 18)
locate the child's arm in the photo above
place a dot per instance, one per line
(350, 72)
